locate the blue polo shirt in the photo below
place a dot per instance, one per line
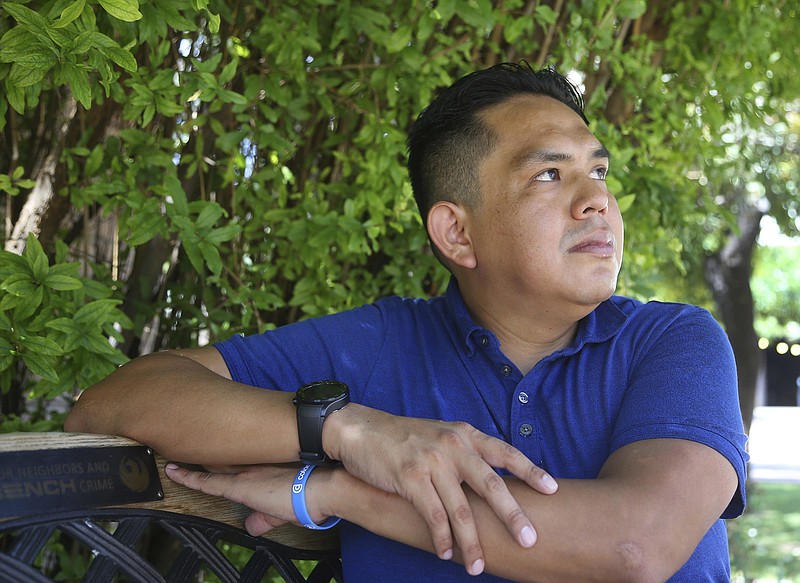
(634, 371)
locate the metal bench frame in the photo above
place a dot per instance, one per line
(200, 527)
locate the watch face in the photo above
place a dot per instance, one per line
(321, 391)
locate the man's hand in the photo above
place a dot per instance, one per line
(426, 462)
(265, 489)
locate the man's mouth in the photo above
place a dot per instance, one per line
(599, 243)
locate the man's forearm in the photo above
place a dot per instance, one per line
(189, 413)
(640, 521)
(573, 545)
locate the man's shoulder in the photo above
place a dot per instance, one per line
(632, 319)
(655, 309)
(404, 306)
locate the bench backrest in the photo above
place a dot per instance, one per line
(80, 507)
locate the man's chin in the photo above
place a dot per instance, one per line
(591, 298)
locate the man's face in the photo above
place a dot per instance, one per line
(547, 228)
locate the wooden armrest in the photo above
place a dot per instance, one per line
(174, 497)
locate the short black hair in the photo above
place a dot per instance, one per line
(449, 139)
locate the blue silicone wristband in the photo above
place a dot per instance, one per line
(299, 502)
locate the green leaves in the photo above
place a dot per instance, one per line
(632, 8)
(253, 168)
(78, 80)
(26, 280)
(47, 326)
(125, 10)
(110, 49)
(200, 240)
(26, 16)
(66, 47)
(70, 14)
(85, 328)
(11, 184)
(39, 354)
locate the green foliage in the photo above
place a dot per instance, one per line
(38, 421)
(776, 288)
(238, 166)
(11, 184)
(61, 42)
(765, 542)
(53, 329)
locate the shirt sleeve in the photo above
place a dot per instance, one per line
(341, 346)
(684, 386)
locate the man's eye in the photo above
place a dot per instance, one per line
(599, 173)
(547, 175)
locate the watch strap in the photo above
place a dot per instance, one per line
(310, 419)
(309, 424)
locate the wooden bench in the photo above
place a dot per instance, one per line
(77, 507)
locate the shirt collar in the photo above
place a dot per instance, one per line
(600, 325)
(469, 330)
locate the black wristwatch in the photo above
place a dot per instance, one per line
(314, 402)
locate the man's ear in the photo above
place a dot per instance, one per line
(448, 228)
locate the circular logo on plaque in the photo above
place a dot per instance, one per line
(134, 474)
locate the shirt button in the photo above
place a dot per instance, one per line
(506, 370)
(484, 341)
(525, 429)
(523, 397)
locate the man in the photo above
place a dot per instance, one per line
(631, 407)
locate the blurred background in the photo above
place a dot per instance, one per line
(765, 542)
(172, 173)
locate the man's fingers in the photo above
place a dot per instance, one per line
(206, 482)
(447, 512)
(258, 523)
(493, 489)
(500, 454)
(430, 507)
(433, 462)
(462, 523)
(538, 479)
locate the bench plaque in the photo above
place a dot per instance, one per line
(42, 481)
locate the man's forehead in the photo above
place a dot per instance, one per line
(527, 104)
(536, 128)
(535, 115)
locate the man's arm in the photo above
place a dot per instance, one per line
(184, 405)
(640, 520)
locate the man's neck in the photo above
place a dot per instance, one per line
(527, 333)
(525, 345)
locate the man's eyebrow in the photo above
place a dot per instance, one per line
(542, 155)
(601, 152)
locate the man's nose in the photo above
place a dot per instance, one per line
(591, 197)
